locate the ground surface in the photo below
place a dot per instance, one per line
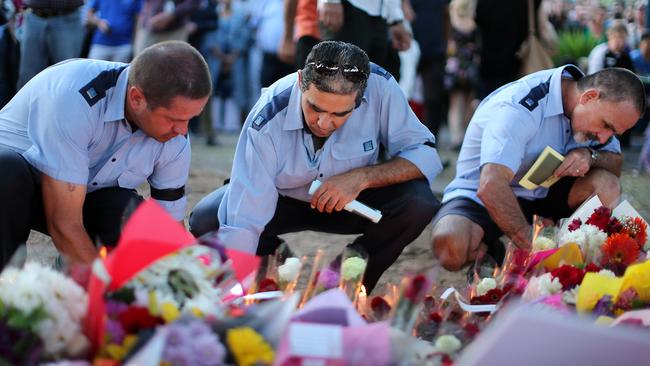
(211, 165)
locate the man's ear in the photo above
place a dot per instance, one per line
(136, 98)
(299, 77)
(589, 95)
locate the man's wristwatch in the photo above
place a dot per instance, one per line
(594, 155)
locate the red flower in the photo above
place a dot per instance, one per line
(575, 225)
(267, 285)
(415, 288)
(435, 316)
(380, 306)
(600, 218)
(620, 249)
(491, 297)
(637, 229)
(614, 226)
(569, 276)
(592, 267)
(135, 318)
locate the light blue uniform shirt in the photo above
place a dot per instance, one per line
(275, 154)
(68, 122)
(511, 127)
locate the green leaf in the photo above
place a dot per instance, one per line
(125, 295)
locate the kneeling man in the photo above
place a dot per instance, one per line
(574, 114)
(329, 121)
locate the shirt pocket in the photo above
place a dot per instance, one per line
(357, 153)
(130, 179)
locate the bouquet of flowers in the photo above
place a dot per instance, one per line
(41, 312)
(278, 272)
(412, 291)
(182, 283)
(614, 242)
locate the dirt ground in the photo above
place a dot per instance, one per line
(212, 164)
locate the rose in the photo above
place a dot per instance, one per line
(600, 218)
(415, 288)
(569, 276)
(353, 268)
(486, 284)
(290, 270)
(380, 307)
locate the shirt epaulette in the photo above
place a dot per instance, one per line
(376, 69)
(277, 104)
(96, 89)
(531, 100)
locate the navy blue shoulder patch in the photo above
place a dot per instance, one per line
(531, 100)
(96, 89)
(376, 69)
(277, 103)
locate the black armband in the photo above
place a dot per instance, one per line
(171, 194)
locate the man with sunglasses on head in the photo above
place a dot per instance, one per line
(332, 121)
(574, 114)
(81, 136)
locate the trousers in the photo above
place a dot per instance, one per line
(406, 207)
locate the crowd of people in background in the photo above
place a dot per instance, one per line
(447, 54)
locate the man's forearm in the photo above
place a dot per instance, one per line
(73, 241)
(609, 161)
(396, 170)
(501, 203)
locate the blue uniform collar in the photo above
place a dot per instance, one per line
(555, 106)
(115, 103)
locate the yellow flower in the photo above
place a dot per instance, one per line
(248, 347)
(638, 277)
(169, 312)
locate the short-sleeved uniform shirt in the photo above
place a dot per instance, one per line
(512, 126)
(69, 123)
(275, 153)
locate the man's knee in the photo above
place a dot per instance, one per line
(446, 249)
(203, 218)
(602, 183)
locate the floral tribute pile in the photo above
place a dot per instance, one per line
(163, 298)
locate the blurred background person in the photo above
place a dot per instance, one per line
(461, 71)
(227, 46)
(51, 31)
(9, 50)
(114, 23)
(613, 52)
(163, 20)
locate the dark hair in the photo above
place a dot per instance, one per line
(616, 85)
(338, 53)
(170, 69)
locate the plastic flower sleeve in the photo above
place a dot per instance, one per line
(412, 290)
(325, 275)
(353, 267)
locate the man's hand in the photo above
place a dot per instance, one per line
(160, 21)
(287, 51)
(401, 37)
(103, 26)
(576, 164)
(338, 191)
(331, 15)
(63, 204)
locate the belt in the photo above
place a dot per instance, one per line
(48, 13)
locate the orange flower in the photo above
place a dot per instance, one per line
(620, 249)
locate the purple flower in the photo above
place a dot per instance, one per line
(113, 308)
(115, 331)
(192, 342)
(209, 351)
(604, 306)
(328, 278)
(179, 356)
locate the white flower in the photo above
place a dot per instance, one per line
(541, 286)
(571, 296)
(589, 238)
(607, 273)
(486, 284)
(290, 270)
(543, 243)
(447, 344)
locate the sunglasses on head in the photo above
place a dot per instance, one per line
(350, 72)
